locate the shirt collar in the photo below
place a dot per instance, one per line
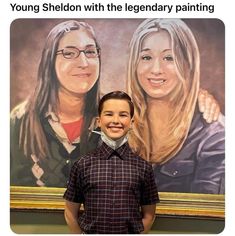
(105, 152)
(114, 144)
(51, 114)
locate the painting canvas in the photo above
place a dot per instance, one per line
(31, 172)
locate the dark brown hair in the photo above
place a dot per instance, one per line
(116, 95)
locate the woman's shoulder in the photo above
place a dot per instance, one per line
(18, 111)
(216, 126)
(200, 124)
(221, 120)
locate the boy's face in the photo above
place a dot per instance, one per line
(115, 119)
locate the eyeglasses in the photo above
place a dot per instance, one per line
(72, 53)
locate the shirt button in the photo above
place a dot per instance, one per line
(67, 161)
(175, 172)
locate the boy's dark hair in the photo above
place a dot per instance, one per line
(116, 95)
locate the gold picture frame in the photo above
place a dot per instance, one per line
(171, 204)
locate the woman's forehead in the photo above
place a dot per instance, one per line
(77, 38)
(156, 38)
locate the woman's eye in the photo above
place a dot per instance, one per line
(168, 58)
(90, 52)
(68, 53)
(146, 58)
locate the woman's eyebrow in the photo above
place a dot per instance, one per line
(148, 49)
(167, 49)
(86, 46)
(145, 49)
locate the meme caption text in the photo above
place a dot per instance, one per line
(111, 7)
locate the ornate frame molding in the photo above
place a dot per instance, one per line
(172, 204)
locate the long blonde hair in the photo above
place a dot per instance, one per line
(187, 64)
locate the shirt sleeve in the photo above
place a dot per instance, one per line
(149, 192)
(74, 192)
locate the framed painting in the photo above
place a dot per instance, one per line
(189, 169)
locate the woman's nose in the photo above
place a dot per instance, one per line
(156, 67)
(81, 60)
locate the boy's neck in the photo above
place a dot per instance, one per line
(114, 144)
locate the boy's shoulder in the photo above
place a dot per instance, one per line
(88, 157)
(139, 160)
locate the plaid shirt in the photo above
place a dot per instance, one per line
(112, 184)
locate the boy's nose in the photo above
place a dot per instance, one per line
(115, 119)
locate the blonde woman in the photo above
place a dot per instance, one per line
(170, 132)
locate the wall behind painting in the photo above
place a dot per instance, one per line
(28, 36)
(31, 222)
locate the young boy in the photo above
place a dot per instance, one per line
(116, 186)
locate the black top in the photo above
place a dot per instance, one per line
(52, 171)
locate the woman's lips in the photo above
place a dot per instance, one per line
(156, 82)
(82, 75)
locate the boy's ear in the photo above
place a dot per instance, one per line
(132, 121)
(98, 121)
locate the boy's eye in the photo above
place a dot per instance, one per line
(123, 115)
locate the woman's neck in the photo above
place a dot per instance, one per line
(70, 107)
(159, 113)
(158, 110)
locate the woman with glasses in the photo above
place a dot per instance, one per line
(169, 131)
(51, 129)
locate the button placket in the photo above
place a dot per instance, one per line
(114, 174)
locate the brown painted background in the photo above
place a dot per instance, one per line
(28, 36)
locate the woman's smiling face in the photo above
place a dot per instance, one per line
(156, 71)
(77, 75)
